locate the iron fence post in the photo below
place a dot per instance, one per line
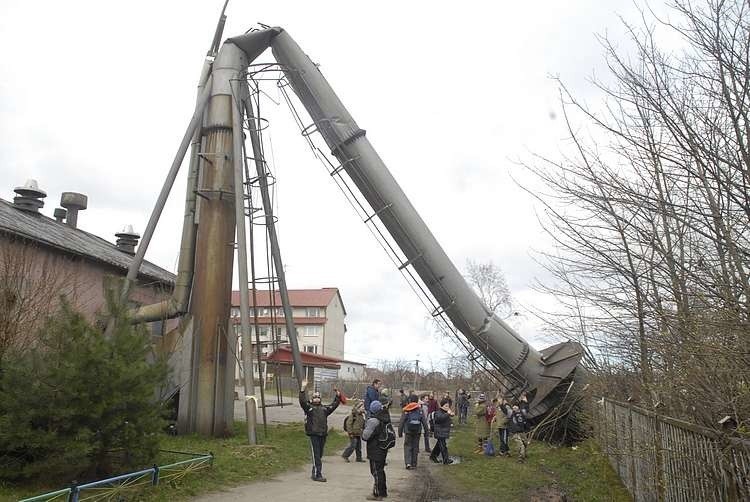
(74, 492)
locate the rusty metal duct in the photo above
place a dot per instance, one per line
(29, 197)
(73, 202)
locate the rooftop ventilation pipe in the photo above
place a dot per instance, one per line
(29, 197)
(60, 214)
(73, 202)
(127, 239)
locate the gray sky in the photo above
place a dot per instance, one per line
(95, 96)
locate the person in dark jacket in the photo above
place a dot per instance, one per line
(412, 424)
(518, 426)
(316, 426)
(354, 424)
(426, 413)
(442, 431)
(372, 394)
(447, 396)
(379, 418)
(462, 403)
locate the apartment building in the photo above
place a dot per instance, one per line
(319, 317)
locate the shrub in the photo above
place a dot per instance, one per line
(80, 404)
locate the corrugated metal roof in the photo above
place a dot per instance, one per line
(49, 232)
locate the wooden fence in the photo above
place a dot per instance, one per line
(660, 458)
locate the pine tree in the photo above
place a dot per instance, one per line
(80, 405)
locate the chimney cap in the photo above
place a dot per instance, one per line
(127, 231)
(74, 200)
(31, 189)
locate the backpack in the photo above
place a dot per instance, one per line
(490, 414)
(387, 437)
(519, 420)
(489, 449)
(414, 422)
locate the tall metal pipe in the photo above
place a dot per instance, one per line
(178, 301)
(212, 284)
(239, 91)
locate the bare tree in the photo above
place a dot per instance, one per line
(651, 216)
(489, 282)
(31, 283)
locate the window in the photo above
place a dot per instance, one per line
(313, 312)
(313, 349)
(310, 330)
(234, 312)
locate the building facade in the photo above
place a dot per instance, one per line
(55, 258)
(352, 370)
(319, 317)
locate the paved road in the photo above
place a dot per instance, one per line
(346, 481)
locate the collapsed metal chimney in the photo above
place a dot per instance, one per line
(127, 239)
(73, 202)
(29, 197)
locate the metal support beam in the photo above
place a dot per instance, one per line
(239, 212)
(195, 121)
(260, 167)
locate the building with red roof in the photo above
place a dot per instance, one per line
(319, 317)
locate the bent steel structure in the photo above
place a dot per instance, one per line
(206, 259)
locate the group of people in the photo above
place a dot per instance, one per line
(421, 416)
(508, 421)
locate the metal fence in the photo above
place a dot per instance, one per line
(660, 458)
(116, 488)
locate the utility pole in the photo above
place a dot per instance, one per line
(416, 373)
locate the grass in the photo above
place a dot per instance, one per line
(583, 473)
(235, 462)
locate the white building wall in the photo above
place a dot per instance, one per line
(352, 371)
(334, 329)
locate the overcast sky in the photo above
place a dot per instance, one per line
(95, 96)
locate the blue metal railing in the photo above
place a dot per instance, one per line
(110, 488)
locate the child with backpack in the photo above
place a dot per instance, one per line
(354, 424)
(518, 426)
(380, 438)
(412, 423)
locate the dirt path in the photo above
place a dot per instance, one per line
(346, 481)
